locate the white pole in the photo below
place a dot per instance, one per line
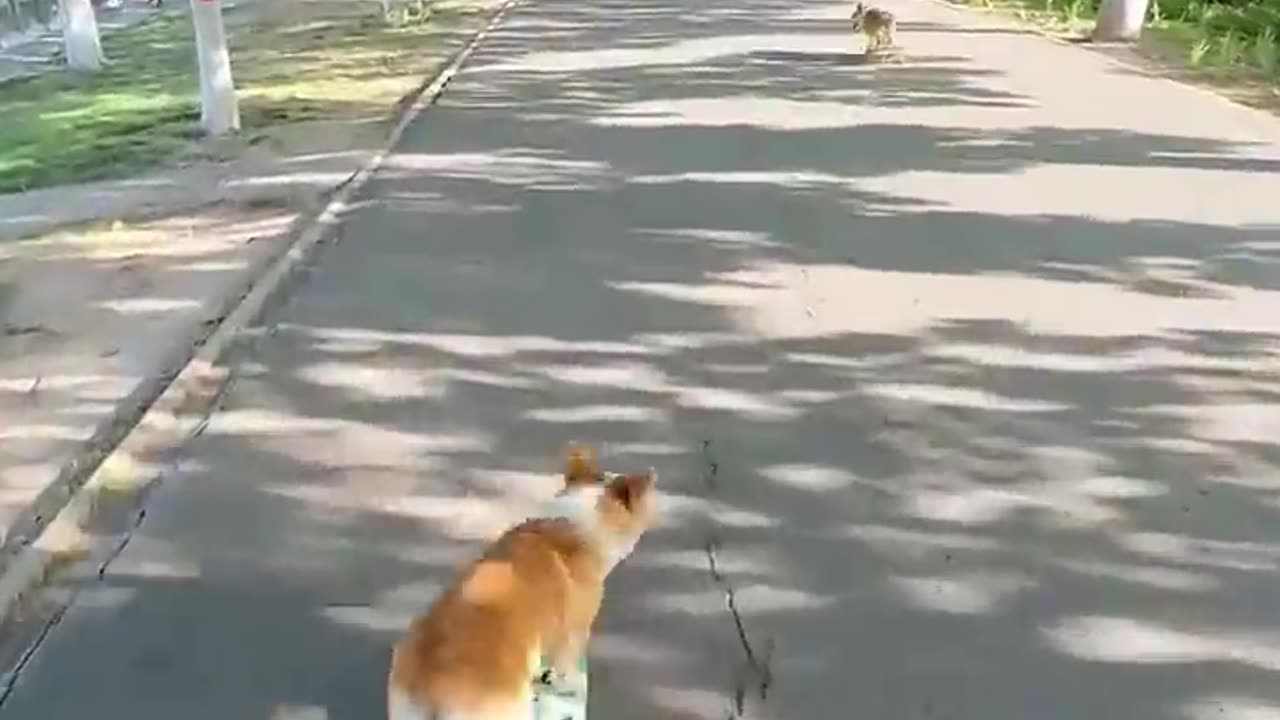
(219, 111)
(80, 36)
(1120, 20)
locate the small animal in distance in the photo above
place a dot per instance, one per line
(878, 25)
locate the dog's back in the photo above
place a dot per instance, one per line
(478, 648)
(534, 593)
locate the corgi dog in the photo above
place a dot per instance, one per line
(531, 596)
(878, 25)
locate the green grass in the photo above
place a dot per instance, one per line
(143, 109)
(1232, 44)
(142, 106)
(1223, 39)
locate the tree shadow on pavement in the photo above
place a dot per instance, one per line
(952, 454)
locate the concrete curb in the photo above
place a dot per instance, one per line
(130, 451)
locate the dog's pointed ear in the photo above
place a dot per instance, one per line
(581, 465)
(631, 490)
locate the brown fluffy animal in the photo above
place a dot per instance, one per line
(878, 25)
(532, 595)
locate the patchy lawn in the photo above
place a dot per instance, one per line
(293, 60)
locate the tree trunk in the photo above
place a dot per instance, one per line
(80, 36)
(219, 111)
(17, 19)
(1120, 20)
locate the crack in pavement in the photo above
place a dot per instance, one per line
(65, 583)
(756, 669)
(710, 468)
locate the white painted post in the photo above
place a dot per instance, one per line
(1120, 20)
(219, 110)
(80, 36)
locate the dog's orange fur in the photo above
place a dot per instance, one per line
(533, 594)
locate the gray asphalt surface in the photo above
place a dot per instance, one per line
(960, 373)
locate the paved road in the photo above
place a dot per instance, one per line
(965, 369)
